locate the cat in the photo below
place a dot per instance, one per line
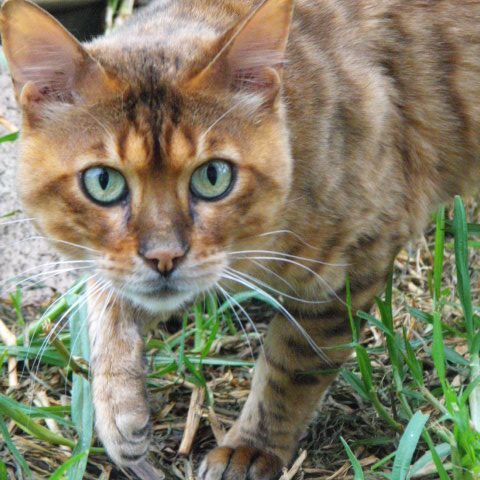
(237, 144)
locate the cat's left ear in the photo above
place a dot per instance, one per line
(251, 56)
(46, 62)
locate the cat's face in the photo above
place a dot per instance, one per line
(159, 184)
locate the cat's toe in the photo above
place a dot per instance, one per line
(134, 426)
(126, 436)
(240, 463)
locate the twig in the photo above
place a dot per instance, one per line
(41, 400)
(216, 426)
(9, 339)
(8, 125)
(289, 474)
(193, 420)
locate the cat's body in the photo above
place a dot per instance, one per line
(343, 145)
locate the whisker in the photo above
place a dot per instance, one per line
(54, 272)
(49, 264)
(13, 222)
(53, 331)
(219, 119)
(263, 284)
(230, 299)
(300, 265)
(272, 252)
(271, 272)
(106, 286)
(290, 232)
(287, 314)
(62, 322)
(64, 242)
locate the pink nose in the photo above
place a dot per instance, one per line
(164, 259)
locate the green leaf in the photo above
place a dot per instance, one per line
(356, 383)
(453, 357)
(407, 446)
(442, 450)
(365, 367)
(16, 299)
(13, 449)
(461, 261)
(357, 468)
(58, 474)
(11, 137)
(3, 471)
(353, 325)
(438, 258)
(82, 406)
(415, 365)
(375, 322)
(38, 412)
(471, 387)
(438, 350)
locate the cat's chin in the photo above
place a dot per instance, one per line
(166, 304)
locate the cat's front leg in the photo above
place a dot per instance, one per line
(118, 380)
(290, 379)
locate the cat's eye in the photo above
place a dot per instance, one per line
(104, 185)
(213, 180)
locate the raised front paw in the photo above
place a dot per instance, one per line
(240, 463)
(123, 425)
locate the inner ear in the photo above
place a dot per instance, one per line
(46, 62)
(252, 54)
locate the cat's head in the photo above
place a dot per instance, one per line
(156, 170)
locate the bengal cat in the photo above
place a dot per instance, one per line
(232, 143)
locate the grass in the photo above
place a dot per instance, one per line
(408, 407)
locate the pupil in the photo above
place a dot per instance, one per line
(103, 179)
(212, 174)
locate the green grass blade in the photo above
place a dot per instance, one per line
(59, 473)
(13, 449)
(82, 406)
(3, 471)
(438, 256)
(356, 383)
(39, 412)
(438, 351)
(365, 367)
(442, 450)
(407, 446)
(414, 364)
(357, 468)
(11, 137)
(461, 261)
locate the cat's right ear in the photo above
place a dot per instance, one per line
(46, 62)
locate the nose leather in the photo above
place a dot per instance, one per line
(164, 259)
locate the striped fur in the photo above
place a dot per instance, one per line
(344, 139)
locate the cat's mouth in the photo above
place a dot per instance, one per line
(162, 299)
(162, 296)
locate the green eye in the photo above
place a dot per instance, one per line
(104, 185)
(212, 180)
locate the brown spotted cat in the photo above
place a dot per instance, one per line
(231, 143)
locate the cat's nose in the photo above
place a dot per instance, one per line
(164, 259)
